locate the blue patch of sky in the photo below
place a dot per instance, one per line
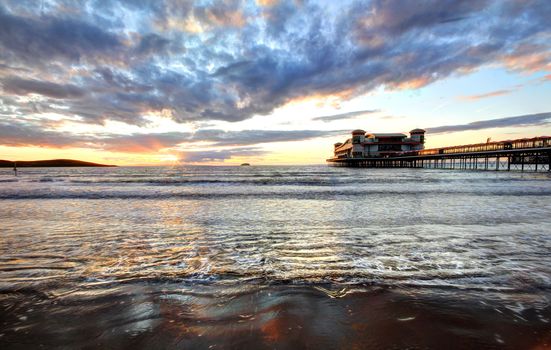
(441, 102)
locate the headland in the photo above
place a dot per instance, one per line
(50, 163)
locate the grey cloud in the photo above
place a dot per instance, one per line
(152, 43)
(25, 86)
(36, 133)
(349, 115)
(219, 155)
(141, 143)
(518, 121)
(216, 138)
(38, 41)
(16, 134)
(114, 81)
(252, 137)
(397, 16)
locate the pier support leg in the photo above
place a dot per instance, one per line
(509, 163)
(497, 163)
(522, 163)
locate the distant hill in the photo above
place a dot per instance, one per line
(50, 163)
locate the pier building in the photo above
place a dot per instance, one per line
(366, 145)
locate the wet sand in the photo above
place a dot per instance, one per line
(142, 316)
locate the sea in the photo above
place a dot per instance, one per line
(274, 257)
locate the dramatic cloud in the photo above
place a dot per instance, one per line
(519, 121)
(349, 115)
(231, 60)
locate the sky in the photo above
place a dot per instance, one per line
(165, 82)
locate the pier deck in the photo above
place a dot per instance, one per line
(522, 155)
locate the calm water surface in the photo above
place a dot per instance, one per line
(274, 257)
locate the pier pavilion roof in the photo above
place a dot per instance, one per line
(386, 135)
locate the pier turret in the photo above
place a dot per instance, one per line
(358, 136)
(358, 139)
(417, 135)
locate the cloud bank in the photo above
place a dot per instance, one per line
(31, 133)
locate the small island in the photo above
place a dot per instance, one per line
(50, 163)
(245, 164)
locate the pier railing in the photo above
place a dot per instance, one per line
(536, 142)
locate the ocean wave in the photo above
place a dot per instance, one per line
(8, 180)
(329, 194)
(274, 181)
(327, 282)
(48, 179)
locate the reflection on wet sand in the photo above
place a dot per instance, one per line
(283, 317)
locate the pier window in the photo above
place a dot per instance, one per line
(390, 147)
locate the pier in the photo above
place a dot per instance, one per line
(512, 155)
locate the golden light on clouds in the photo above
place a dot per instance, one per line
(411, 84)
(267, 2)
